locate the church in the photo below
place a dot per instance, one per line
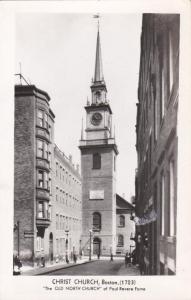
(101, 218)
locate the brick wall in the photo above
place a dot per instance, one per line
(24, 176)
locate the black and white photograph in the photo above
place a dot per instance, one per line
(97, 150)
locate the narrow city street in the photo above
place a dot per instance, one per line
(101, 267)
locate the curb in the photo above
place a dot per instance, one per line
(39, 272)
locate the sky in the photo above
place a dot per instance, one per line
(57, 54)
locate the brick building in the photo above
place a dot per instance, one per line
(125, 227)
(98, 164)
(156, 128)
(47, 185)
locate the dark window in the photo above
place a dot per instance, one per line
(46, 121)
(96, 161)
(42, 210)
(42, 179)
(121, 221)
(96, 221)
(120, 240)
(42, 119)
(42, 149)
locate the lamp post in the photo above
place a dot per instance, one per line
(90, 251)
(16, 227)
(80, 250)
(67, 232)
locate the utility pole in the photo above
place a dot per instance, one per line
(16, 227)
(67, 232)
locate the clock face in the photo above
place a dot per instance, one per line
(96, 118)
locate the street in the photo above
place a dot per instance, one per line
(100, 267)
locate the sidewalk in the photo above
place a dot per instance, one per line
(52, 267)
(130, 270)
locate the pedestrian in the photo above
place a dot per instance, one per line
(129, 259)
(133, 255)
(67, 260)
(75, 258)
(111, 258)
(42, 262)
(98, 255)
(16, 265)
(17, 262)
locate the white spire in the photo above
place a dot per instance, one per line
(98, 75)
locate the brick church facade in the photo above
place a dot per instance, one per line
(98, 165)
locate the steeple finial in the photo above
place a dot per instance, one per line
(98, 75)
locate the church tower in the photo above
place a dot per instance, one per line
(98, 166)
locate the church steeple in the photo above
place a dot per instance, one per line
(98, 156)
(98, 75)
(98, 86)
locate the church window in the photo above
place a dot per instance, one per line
(98, 96)
(96, 221)
(120, 240)
(121, 221)
(96, 161)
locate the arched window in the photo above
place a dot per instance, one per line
(96, 161)
(120, 240)
(121, 221)
(96, 221)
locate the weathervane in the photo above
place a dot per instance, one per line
(97, 16)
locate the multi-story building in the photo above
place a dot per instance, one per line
(156, 128)
(66, 206)
(47, 185)
(98, 163)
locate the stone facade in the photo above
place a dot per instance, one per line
(157, 141)
(38, 232)
(66, 206)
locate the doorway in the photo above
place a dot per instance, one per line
(96, 246)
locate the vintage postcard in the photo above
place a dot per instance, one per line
(95, 168)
